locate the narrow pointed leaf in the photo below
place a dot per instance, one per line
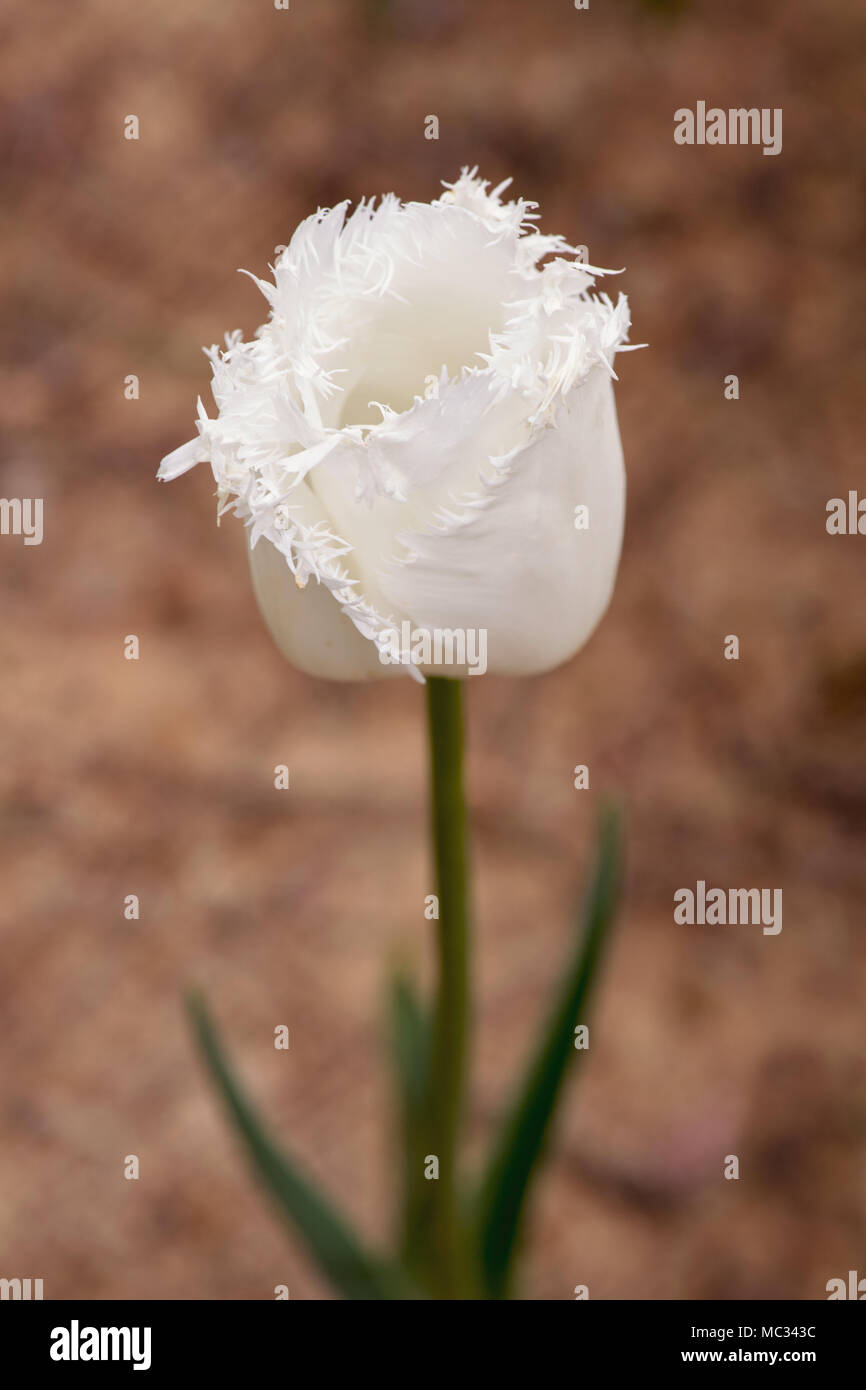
(521, 1144)
(410, 1035)
(352, 1270)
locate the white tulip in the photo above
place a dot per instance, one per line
(425, 427)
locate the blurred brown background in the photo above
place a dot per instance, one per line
(156, 777)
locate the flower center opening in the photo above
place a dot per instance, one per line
(442, 305)
(401, 354)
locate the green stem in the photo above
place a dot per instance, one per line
(448, 813)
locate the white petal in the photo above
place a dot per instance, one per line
(181, 460)
(452, 511)
(306, 584)
(517, 567)
(435, 456)
(309, 626)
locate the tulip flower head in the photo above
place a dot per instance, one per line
(422, 440)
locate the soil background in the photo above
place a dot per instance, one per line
(155, 777)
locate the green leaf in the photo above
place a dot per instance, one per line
(411, 1032)
(410, 1035)
(504, 1189)
(352, 1270)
